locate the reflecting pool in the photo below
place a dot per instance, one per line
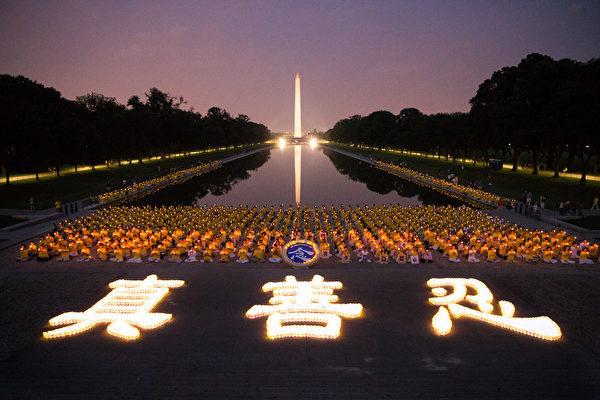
(315, 176)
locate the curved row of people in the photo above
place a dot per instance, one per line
(170, 178)
(473, 196)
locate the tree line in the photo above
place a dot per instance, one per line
(42, 131)
(544, 108)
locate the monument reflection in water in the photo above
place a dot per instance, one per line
(295, 174)
(297, 171)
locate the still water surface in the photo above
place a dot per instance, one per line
(269, 177)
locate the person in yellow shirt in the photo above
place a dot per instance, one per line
(529, 255)
(242, 255)
(224, 255)
(54, 249)
(64, 253)
(73, 249)
(401, 257)
(155, 253)
(453, 255)
(230, 248)
(43, 254)
(565, 257)
(345, 255)
(594, 251)
(259, 253)
(584, 257)
(23, 254)
(510, 255)
(85, 254)
(118, 254)
(275, 254)
(207, 256)
(491, 255)
(175, 255)
(548, 257)
(383, 257)
(126, 250)
(503, 250)
(32, 250)
(101, 253)
(137, 255)
(324, 250)
(162, 250)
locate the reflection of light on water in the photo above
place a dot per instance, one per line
(297, 167)
(281, 143)
(313, 143)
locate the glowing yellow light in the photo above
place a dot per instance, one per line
(281, 143)
(313, 143)
(441, 322)
(310, 302)
(128, 305)
(540, 327)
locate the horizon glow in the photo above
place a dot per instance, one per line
(354, 57)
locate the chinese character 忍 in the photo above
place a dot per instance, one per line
(540, 327)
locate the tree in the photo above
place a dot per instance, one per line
(23, 111)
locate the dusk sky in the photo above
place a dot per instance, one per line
(353, 57)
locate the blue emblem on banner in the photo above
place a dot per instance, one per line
(300, 253)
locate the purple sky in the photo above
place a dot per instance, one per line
(353, 57)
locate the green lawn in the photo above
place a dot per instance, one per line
(504, 182)
(6, 220)
(73, 187)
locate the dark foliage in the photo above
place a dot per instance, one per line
(544, 107)
(42, 131)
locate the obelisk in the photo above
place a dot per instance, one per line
(297, 112)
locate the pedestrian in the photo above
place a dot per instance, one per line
(561, 208)
(31, 204)
(595, 204)
(528, 198)
(542, 201)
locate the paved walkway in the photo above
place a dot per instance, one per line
(548, 220)
(210, 350)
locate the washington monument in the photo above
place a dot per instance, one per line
(297, 111)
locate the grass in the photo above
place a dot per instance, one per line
(7, 220)
(592, 222)
(504, 182)
(74, 187)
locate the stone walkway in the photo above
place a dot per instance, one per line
(210, 350)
